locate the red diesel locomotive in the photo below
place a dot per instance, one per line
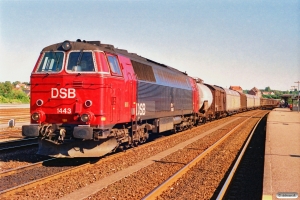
(88, 98)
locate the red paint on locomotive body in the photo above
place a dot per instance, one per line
(195, 95)
(81, 92)
(64, 94)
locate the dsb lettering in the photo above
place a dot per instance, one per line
(63, 93)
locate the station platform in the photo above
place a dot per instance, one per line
(13, 105)
(282, 155)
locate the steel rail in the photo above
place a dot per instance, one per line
(19, 188)
(25, 167)
(33, 143)
(234, 168)
(164, 186)
(13, 141)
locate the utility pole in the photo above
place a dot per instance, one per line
(298, 95)
(293, 87)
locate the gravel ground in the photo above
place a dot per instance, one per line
(19, 158)
(203, 179)
(247, 183)
(137, 185)
(38, 172)
(111, 164)
(20, 115)
(7, 134)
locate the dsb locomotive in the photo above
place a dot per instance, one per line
(89, 98)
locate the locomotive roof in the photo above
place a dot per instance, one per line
(97, 45)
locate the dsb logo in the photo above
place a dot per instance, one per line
(63, 93)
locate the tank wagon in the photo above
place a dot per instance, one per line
(206, 100)
(88, 98)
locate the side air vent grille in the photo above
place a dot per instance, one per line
(77, 84)
(143, 71)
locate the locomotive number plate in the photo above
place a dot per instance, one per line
(64, 110)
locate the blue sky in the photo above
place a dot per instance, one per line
(231, 42)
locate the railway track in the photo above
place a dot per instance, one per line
(245, 179)
(197, 179)
(19, 114)
(115, 170)
(164, 190)
(18, 144)
(18, 179)
(158, 191)
(9, 111)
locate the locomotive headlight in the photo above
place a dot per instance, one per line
(66, 45)
(38, 116)
(35, 116)
(85, 117)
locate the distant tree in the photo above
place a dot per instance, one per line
(6, 89)
(267, 96)
(26, 83)
(16, 83)
(20, 96)
(278, 93)
(9, 95)
(268, 89)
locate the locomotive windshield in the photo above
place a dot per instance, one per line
(52, 62)
(81, 61)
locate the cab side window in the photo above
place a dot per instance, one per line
(114, 65)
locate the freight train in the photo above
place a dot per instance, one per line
(89, 98)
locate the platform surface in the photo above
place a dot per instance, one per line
(282, 155)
